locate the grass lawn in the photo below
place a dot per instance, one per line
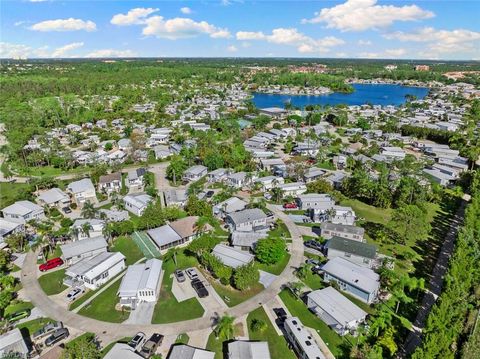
(30, 327)
(335, 342)
(215, 345)
(11, 192)
(49, 171)
(182, 339)
(16, 307)
(313, 281)
(52, 283)
(367, 308)
(103, 306)
(276, 343)
(80, 337)
(128, 248)
(235, 296)
(370, 213)
(275, 268)
(168, 309)
(281, 231)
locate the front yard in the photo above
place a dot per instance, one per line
(128, 248)
(52, 283)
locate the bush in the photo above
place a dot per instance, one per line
(245, 277)
(258, 325)
(270, 250)
(66, 223)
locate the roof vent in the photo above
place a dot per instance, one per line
(308, 342)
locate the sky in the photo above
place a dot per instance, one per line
(439, 30)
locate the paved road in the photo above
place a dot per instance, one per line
(34, 292)
(414, 339)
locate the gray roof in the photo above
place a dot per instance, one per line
(12, 342)
(22, 208)
(195, 170)
(123, 351)
(353, 274)
(77, 248)
(304, 338)
(141, 276)
(342, 228)
(247, 215)
(353, 247)
(184, 351)
(53, 195)
(93, 267)
(232, 204)
(81, 186)
(232, 257)
(247, 239)
(337, 305)
(248, 350)
(175, 196)
(163, 235)
(138, 200)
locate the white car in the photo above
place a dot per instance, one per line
(74, 293)
(191, 273)
(137, 341)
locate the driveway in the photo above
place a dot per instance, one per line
(266, 279)
(142, 314)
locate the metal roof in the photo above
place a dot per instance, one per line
(184, 351)
(247, 239)
(232, 257)
(94, 266)
(81, 186)
(337, 306)
(304, 338)
(353, 274)
(163, 235)
(248, 350)
(53, 195)
(77, 248)
(140, 277)
(123, 351)
(328, 226)
(22, 208)
(351, 246)
(247, 215)
(12, 342)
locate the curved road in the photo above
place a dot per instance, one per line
(35, 293)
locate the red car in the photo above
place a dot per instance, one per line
(50, 264)
(290, 206)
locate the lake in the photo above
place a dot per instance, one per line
(381, 94)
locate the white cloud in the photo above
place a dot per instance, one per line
(246, 44)
(395, 52)
(133, 17)
(61, 51)
(186, 10)
(180, 28)
(18, 23)
(360, 15)
(232, 48)
(14, 51)
(364, 43)
(292, 37)
(70, 24)
(111, 53)
(369, 55)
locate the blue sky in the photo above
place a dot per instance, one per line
(234, 28)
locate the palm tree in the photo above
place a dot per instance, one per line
(74, 231)
(224, 328)
(85, 228)
(88, 210)
(200, 224)
(277, 194)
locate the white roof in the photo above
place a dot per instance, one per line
(12, 341)
(141, 276)
(247, 239)
(163, 235)
(232, 204)
(138, 200)
(7, 226)
(81, 186)
(184, 351)
(247, 215)
(93, 267)
(337, 305)
(22, 208)
(77, 248)
(304, 338)
(123, 351)
(355, 275)
(248, 350)
(53, 195)
(232, 257)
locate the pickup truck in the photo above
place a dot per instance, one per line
(150, 347)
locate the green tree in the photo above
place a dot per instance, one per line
(176, 168)
(83, 347)
(224, 329)
(89, 210)
(270, 250)
(245, 277)
(410, 223)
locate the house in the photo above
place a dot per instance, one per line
(359, 281)
(336, 310)
(110, 183)
(274, 112)
(88, 228)
(177, 232)
(114, 215)
(95, 271)
(354, 251)
(248, 220)
(175, 197)
(393, 153)
(315, 201)
(438, 176)
(233, 204)
(269, 182)
(12, 345)
(123, 351)
(268, 164)
(161, 152)
(301, 340)
(218, 175)
(137, 203)
(335, 179)
(194, 173)
(78, 250)
(240, 349)
(54, 197)
(246, 240)
(183, 351)
(135, 179)
(342, 215)
(293, 189)
(141, 283)
(231, 256)
(23, 211)
(237, 180)
(8, 227)
(313, 174)
(329, 230)
(82, 191)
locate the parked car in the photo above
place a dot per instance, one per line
(199, 288)
(290, 206)
(67, 210)
(21, 314)
(280, 313)
(151, 345)
(191, 273)
(314, 245)
(209, 194)
(50, 264)
(138, 340)
(313, 262)
(180, 276)
(56, 336)
(74, 293)
(46, 330)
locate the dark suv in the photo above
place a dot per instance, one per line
(56, 336)
(199, 288)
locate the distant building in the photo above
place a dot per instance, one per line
(422, 68)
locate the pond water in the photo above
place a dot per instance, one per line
(381, 94)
